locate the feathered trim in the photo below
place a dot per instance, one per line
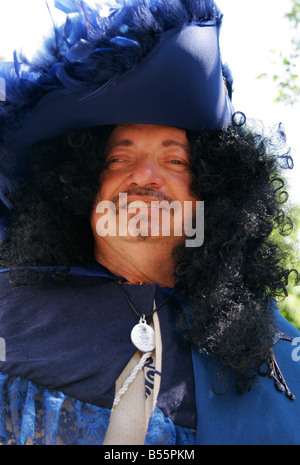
(94, 45)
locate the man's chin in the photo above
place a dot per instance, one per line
(151, 230)
(149, 239)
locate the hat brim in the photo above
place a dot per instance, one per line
(179, 83)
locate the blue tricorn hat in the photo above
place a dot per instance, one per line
(121, 61)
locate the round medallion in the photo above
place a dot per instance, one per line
(143, 337)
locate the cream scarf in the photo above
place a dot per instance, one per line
(130, 417)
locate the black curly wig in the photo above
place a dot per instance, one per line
(230, 280)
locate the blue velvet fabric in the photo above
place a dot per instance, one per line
(263, 416)
(71, 402)
(74, 337)
(46, 417)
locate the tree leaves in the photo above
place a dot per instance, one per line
(287, 77)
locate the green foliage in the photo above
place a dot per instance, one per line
(290, 306)
(294, 14)
(288, 78)
(289, 82)
(289, 92)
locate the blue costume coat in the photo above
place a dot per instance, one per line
(49, 395)
(262, 416)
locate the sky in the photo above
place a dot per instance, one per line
(250, 30)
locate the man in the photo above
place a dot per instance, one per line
(119, 333)
(147, 163)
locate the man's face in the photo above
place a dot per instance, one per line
(149, 164)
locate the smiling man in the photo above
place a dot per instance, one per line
(117, 328)
(150, 164)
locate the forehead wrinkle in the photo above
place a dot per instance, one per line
(164, 143)
(112, 145)
(126, 142)
(171, 142)
(120, 143)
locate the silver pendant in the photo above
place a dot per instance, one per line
(143, 336)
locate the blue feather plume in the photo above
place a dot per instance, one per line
(97, 43)
(67, 6)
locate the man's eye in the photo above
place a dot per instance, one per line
(113, 163)
(178, 162)
(114, 160)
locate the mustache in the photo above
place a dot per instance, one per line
(143, 192)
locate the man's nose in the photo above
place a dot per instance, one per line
(145, 173)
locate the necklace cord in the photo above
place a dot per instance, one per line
(154, 306)
(145, 356)
(131, 378)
